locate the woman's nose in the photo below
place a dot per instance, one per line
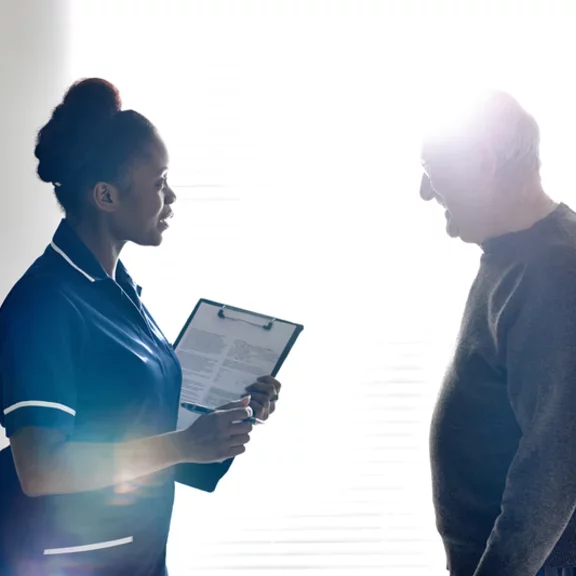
(169, 195)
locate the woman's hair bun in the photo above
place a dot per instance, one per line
(93, 96)
(76, 123)
(89, 139)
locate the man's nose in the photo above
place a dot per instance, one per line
(426, 191)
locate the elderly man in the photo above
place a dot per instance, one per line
(503, 437)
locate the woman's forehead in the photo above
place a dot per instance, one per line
(159, 153)
(154, 160)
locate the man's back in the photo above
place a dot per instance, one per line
(503, 435)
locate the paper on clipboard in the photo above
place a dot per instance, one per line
(223, 350)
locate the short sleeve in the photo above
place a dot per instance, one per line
(41, 341)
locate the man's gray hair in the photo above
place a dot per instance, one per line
(495, 120)
(514, 133)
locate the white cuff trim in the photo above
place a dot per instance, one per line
(89, 547)
(40, 404)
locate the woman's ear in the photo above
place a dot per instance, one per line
(106, 197)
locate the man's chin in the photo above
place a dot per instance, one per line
(455, 232)
(451, 227)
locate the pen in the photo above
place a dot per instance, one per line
(203, 410)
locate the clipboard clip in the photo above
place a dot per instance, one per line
(267, 326)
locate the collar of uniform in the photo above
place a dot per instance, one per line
(122, 276)
(68, 245)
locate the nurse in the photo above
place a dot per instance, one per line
(89, 385)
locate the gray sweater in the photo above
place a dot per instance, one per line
(503, 437)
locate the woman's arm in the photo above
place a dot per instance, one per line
(48, 463)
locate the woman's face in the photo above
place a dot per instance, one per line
(144, 207)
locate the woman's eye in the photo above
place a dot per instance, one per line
(161, 183)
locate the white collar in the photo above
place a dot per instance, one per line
(67, 258)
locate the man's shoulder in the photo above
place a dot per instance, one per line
(556, 248)
(551, 261)
(548, 278)
(544, 265)
(545, 274)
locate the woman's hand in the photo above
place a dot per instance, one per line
(218, 436)
(264, 393)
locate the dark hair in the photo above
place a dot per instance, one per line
(89, 139)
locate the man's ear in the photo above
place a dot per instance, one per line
(486, 163)
(106, 197)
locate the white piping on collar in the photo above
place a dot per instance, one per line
(67, 258)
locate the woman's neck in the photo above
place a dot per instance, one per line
(99, 241)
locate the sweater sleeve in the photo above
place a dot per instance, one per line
(540, 493)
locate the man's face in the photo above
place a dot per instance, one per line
(457, 184)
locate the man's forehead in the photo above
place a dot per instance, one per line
(433, 153)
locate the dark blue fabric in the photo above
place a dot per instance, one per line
(80, 352)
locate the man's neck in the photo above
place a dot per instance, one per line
(521, 211)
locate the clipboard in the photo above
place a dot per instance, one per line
(226, 312)
(206, 476)
(226, 350)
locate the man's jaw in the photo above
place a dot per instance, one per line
(451, 226)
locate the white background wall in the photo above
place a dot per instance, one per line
(33, 72)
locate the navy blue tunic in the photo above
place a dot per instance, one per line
(79, 352)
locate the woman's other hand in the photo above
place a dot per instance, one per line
(218, 436)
